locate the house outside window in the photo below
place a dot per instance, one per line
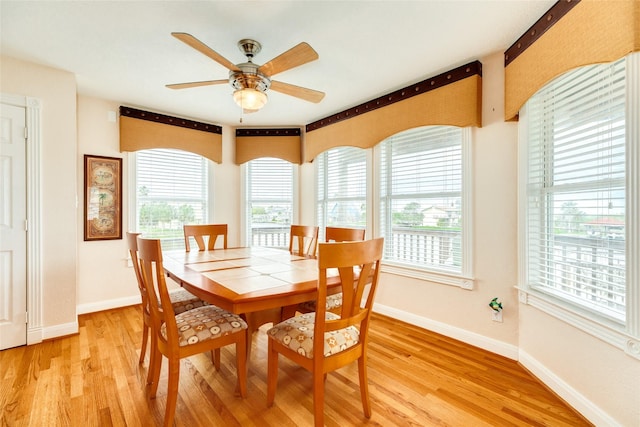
(341, 188)
(579, 198)
(171, 188)
(424, 200)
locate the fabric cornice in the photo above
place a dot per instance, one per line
(143, 130)
(453, 98)
(590, 32)
(283, 144)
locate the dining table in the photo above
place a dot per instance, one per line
(255, 282)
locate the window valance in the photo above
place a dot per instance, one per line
(452, 98)
(572, 33)
(279, 143)
(143, 130)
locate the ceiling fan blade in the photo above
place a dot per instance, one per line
(310, 95)
(294, 57)
(206, 50)
(196, 84)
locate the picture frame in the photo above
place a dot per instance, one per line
(102, 198)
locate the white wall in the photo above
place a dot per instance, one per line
(597, 379)
(600, 381)
(105, 279)
(226, 188)
(465, 314)
(56, 90)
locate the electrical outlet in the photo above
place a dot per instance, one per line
(496, 316)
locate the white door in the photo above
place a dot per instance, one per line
(13, 235)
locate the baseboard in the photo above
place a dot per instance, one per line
(34, 336)
(471, 338)
(108, 304)
(576, 400)
(61, 330)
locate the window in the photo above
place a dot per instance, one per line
(341, 180)
(269, 201)
(422, 199)
(579, 199)
(171, 189)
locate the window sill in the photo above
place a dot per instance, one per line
(466, 283)
(605, 332)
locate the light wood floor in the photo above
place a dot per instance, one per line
(417, 378)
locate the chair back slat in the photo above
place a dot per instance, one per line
(342, 234)
(303, 240)
(153, 277)
(199, 232)
(132, 242)
(358, 264)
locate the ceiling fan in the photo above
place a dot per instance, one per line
(251, 81)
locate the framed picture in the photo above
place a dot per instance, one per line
(102, 198)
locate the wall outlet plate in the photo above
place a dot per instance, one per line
(496, 316)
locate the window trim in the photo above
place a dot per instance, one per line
(627, 339)
(465, 279)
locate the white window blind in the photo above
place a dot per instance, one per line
(576, 190)
(421, 200)
(269, 201)
(341, 182)
(171, 190)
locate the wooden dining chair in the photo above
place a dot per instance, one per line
(322, 342)
(205, 235)
(182, 335)
(334, 301)
(181, 301)
(303, 240)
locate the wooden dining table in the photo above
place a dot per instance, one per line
(256, 282)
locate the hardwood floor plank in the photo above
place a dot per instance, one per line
(416, 378)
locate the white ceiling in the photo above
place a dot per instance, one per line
(123, 50)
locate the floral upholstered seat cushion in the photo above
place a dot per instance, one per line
(297, 334)
(203, 323)
(333, 301)
(183, 300)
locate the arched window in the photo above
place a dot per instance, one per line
(579, 184)
(423, 193)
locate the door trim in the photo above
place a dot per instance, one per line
(32, 107)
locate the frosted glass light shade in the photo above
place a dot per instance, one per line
(250, 100)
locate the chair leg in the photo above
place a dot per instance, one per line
(318, 399)
(145, 338)
(172, 391)
(215, 358)
(155, 359)
(364, 386)
(154, 373)
(241, 364)
(272, 373)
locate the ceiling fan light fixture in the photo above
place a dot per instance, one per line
(250, 81)
(250, 100)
